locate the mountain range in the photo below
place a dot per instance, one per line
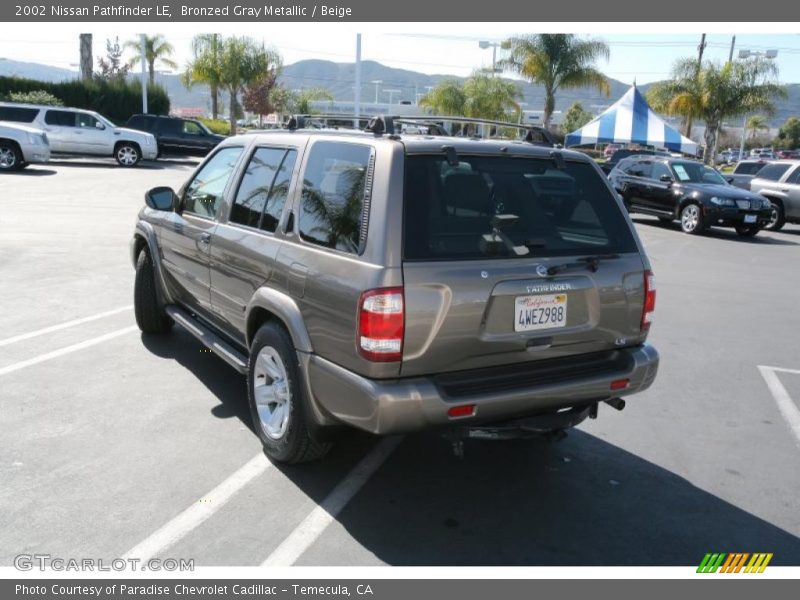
(339, 80)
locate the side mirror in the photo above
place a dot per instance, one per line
(99, 125)
(729, 179)
(160, 198)
(667, 178)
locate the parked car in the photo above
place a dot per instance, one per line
(744, 171)
(521, 296)
(21, 145)
(788, 154)
(185, 137)
(625, 153)
(609, 150)
(78, 132)
(779, 183)
(690, 191)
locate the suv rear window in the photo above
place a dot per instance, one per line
(773, 172)
(748, 168)
(18, 114)
(448, 210)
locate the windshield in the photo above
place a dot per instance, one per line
(508, 207)
(104, 120)
(695, 172)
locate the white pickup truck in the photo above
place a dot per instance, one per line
(21, 145)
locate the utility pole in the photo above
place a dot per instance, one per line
(142, 49)
(733, 45)
(701, 48)
(358, 81)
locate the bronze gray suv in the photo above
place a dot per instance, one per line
(395, 282)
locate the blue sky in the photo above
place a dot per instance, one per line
(646, 57)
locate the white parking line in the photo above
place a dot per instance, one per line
(787, 408)
(65, 325)
(67, 350)
(197, 513)
(323, 515)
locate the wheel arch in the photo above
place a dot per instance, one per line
(144, 238)
(268, 304)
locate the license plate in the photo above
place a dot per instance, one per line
(540, 312)
(749, 218)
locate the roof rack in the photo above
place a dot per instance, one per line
(439, 125)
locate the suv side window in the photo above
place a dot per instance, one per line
(18, 114)
(262, 192)
(331, 212)
(773, 172)
(794, 177)
(62, 118)
(171, 126)
(204, 193)
(86, 120)
(641, 168)
(192, 128)
(659, 170)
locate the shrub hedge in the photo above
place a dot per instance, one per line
(116, 100)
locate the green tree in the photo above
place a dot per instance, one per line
(111, 67)
(575, 118)
(480, 96)
(716, 92)
(205, 67)
(789, 133)
(243, 61)
(300, 102)
(557, 61)
(757, 123)
(35, 97)
(156, 49)
(447, 98)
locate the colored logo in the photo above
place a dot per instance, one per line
(736, 562)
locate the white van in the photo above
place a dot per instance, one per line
(75, 131)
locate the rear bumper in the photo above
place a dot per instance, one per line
(414, 404)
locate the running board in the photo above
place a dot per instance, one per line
(209, 339)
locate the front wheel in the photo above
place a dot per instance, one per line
(777, 218)
(692, 221)
(277, 398)
(747, 230)
(127, 155)
(150, 315)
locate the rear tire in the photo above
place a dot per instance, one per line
(10, 157)
(692, 221)
(278, 404)
(150, 315)
(777, 218)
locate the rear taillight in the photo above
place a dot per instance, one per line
(381, 324)
(649, 300)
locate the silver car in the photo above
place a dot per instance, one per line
(779, 182)
(395, 282)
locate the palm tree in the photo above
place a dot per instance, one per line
(557, 61)
(87, 66)
(205, 66)
(716, 92)
(447, 98)
(300, 102)
(156, 49)
(757, 123)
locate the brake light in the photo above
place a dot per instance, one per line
(381, 324)
(649, 300)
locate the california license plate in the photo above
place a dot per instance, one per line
(749, 218)
(540, 312)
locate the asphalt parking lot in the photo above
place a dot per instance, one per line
(116, 444)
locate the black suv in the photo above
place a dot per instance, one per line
(675, 188)
(185, 137)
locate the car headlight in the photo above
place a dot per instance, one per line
(722, 201)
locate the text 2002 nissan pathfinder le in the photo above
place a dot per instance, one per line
(395, 282)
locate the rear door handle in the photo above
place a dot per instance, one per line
(205, 238)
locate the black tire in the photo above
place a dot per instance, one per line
(748, 230)
(295, 444)
(777, 218)
(127, 154)
(10, 157)
(150, 315)
(696, 224)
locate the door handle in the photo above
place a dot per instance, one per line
(205, 238)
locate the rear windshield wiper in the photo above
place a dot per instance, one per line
(588, 262)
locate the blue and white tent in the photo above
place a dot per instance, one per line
(631, 121)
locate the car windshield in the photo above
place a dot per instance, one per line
(508, 207)
(104, 120)
(695, 172)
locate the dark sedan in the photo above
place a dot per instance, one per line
(697, 195)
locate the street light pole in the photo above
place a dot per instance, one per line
(483, 45)
(143, 50)
(377, 82)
